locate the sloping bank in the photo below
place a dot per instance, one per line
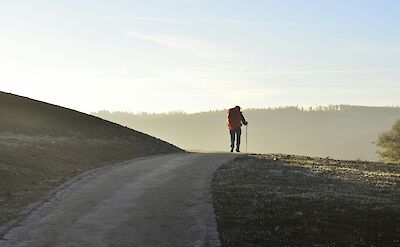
(43, 146)
(283, 200)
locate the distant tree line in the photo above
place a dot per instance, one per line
(338, 131)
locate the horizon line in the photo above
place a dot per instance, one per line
(301, 108)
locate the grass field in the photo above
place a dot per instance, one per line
(283, 200)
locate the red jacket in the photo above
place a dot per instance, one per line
(234, 118)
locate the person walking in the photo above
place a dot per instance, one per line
(235, 120)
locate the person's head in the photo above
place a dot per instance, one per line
(237, 107)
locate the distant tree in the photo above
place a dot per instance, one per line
(389, 144)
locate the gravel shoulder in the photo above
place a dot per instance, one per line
(284, 200)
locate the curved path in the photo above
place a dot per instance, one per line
(155, 201)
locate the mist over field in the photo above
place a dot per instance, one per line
(342, 132)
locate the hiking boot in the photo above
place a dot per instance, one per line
(231, 150)
(237, 150)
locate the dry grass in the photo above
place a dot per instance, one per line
(283, 200)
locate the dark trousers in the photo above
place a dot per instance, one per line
(236, 132)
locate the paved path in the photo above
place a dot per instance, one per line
(157, 201)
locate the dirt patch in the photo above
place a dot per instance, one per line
(283, 200)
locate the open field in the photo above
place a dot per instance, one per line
(283, 200)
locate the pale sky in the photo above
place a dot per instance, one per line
(198, 55)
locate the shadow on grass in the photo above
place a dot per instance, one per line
(267, 201)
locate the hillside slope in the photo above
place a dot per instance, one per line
(43, 145)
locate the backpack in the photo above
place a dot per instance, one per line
(234, 118)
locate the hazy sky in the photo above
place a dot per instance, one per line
(196, 55)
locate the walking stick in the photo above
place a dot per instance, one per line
(247, 131)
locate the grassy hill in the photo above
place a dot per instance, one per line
(43, 145)
(341, 132)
